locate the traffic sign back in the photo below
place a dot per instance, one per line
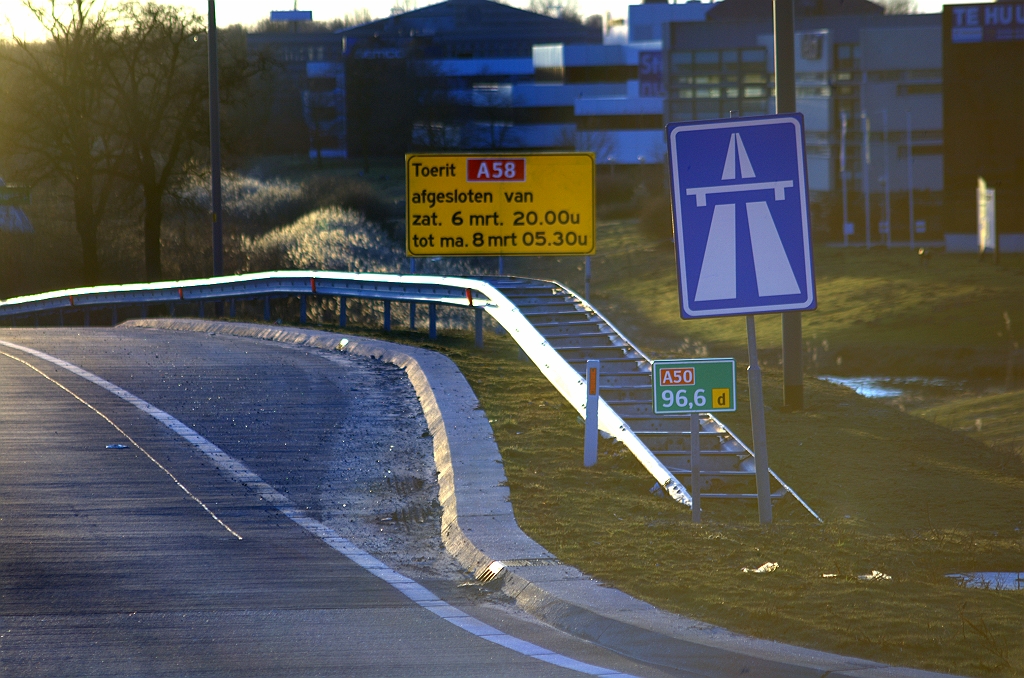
(739, 195)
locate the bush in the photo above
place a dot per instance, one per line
(251, 205)
(353, 194)
(331, 238)
(656, 219)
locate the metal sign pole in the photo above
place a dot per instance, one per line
(885, 157)
(842, 174)
(215, 195)
(866, 181)
(695, 465)
(910, 178)
(785, 102)
(590, 430)
(586, 277)
(764, 492)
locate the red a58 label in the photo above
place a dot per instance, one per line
(496, 169)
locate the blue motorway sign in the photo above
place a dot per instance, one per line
(739, 201)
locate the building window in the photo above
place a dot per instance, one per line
(886, 76)
(706, 58)
(706, 109)
(680, 111)
(753, 56)
(754, 107)
(912, 90)
(743, 72)
(681, 63)
(847, 57)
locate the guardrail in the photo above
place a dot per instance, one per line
(413, 289)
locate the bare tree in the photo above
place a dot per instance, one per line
(440, 115)
(158, 80)
(599, 142)
(559, 9)
(493, 106)
(899, 6)
(59, 125)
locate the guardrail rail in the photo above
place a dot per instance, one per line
(557, 329)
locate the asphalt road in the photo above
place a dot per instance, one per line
(127, 561)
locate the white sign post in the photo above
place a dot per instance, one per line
(590, 426)
(986, 219)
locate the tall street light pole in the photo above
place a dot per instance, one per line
(218, 242)
(785, 102)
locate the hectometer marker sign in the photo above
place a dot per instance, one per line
(524, 204)
(698, 385)
(739, 199)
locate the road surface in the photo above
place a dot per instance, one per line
(125, 551)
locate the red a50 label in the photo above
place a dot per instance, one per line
(676, 376)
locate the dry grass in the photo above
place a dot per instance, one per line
(899, 494)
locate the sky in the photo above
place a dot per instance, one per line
(19, 22)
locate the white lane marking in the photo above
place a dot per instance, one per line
(412, 590)
(128, 438)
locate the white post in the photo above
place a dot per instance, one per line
(842, 175)
(590, 430)
(866, 182)
(695, 466)
(910, 178)
(885, 153)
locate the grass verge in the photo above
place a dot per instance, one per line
(899, 494)
(992, 418)
(883, 312)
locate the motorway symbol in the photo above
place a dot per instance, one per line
(725, 269)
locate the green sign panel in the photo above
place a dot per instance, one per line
(698, 385)
(14, 196)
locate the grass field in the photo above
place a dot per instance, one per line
(883, 312)
(898, 494)
(915, 492)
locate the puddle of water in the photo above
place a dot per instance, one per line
(993, 581)
(894, 387)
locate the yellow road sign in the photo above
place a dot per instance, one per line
(523, 204)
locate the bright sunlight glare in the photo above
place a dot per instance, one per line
(19, 21)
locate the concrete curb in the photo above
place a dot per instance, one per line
(478, 528)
